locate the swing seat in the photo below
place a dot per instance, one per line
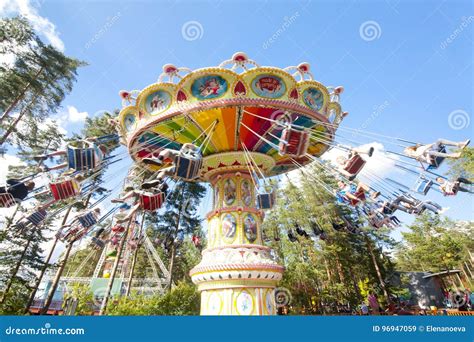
(118, 229)
(84, 158)
(338, 226)
(354, 165)
(151, 201)
(187, 167)
(7, 200)
(64, 189)
(295, 142)
(87, 220)
(98, 242)
(292, 237)
(266, 201)
(316, 228)
(435, 162)
(423, 185)
(37, 218)
(133, 243)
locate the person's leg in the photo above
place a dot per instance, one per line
(463, 180)
(128, 195)
(49, 155)
(460, 144)
(152, 184)
(130, 214)
(56, 167)
(444, 154)
(434, 204)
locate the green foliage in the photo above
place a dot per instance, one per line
(182, 300)
(84, 297)
(16, 298)
(433, 244)
(463, 166)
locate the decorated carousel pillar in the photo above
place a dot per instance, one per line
(237, 274)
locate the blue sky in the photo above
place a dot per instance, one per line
(404, 80)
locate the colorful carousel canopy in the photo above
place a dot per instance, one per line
(226, 109)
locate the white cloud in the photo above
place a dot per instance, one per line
(40, 24)
(75, 116)
(380, 165)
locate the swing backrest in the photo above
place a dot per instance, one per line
(7, 200)
(266, 201)
(37, 217)
(423, 185)
(85, 157)
(294, 142)
(187, 167)
(151, 201)
(435, 162)
(87, 220)
(355, 164)
(98, 242)
(64, 189)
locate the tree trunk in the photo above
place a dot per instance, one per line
(46, 264)
(16, 268)
(19, 97)
(57, 277)
(15, 123)
(377, 268)
(60, 270)
(103, 307)
(173, 248)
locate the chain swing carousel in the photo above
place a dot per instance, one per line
(249, 122)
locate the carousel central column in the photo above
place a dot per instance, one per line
(237, 274)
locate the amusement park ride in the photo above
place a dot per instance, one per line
(232, 126)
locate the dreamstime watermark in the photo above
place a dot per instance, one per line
(465, 21)
(370, 30)
(192, 30)
(287, 22)
(458, 119)
(46, 330)
(376, 111)
(108, 24)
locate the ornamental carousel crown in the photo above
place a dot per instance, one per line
(236, 112)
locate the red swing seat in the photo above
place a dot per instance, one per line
(64, 189)
(7, 200)
(295, 142)
(354, 165)
(151, 201)
(360, 197)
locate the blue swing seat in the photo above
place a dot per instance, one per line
(187, 167)
(266, 201)
(423, 185)
(84, 158)
(87, 220)
(435, 162)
